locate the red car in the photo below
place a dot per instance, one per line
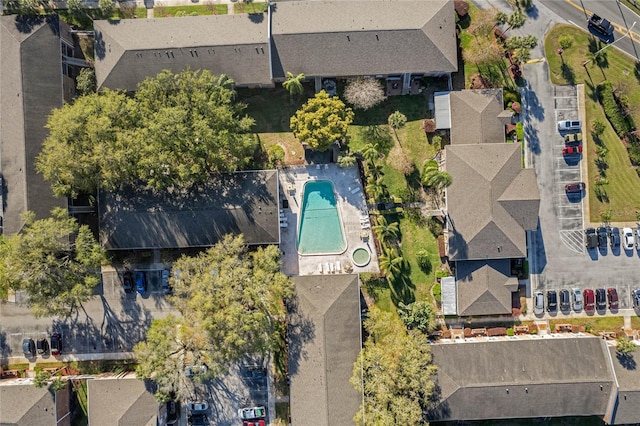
(572, 150)
(612, 295)
(574, 187)
(253, 423)
(589, 300)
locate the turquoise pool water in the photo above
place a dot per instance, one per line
(320, 228)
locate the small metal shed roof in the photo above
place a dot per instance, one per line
(443, 110)
(449, 296)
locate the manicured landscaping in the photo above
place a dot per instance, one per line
(594, 325)
(249, 7)
(621, 195)
(191, 10)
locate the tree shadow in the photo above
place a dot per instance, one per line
(402, 289)
(626, 361)
(567, 73)
(5, 349)
(300, 330)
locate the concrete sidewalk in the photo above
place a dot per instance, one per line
(107, 356)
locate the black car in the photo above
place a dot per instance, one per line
(600, 25)
(635, 296)
(198, 420)
(127, 282)
(42, 346)
(552, 301)
(614, 237)
(601, 299)
(29, 348)
(591, 238)
(56, 344)
(602, 237)
(565, 300)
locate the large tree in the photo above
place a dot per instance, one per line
(231, 302)
(321, 121)
(364, 93)
(54, 261)
(394, 372)
(175, 131)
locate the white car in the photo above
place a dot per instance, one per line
(252, 413)
(197, 407)
(638, 237)
(627, 238)
(577, 299)
(569, 125)
(538, 300)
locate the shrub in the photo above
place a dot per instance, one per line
(565, 42)
(424, 262)
(510, 332)
(442, 273)
(276, 155)
(510, 97)
(437, 292)
(346, 160)
(435, 226)
(520, 131)
(612, 109)
(437, 140)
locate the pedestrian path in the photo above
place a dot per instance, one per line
(106, 356)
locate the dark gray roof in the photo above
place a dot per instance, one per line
(350, 38)
(491, 201)
(475, 116)
(27, 405)
(130, 50)
(519, 378)
(324, 342)
(485, 287)
(30, 87)
(233, 203)
(628, 375)
(122, 402)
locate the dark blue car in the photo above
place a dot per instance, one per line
(141, 282)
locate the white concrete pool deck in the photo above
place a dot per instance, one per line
(351, 208)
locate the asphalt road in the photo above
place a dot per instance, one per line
(577, 12)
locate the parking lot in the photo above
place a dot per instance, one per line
(558, 257)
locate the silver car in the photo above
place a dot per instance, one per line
(538, 307)
(577, 299)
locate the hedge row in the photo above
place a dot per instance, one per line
(612, 110)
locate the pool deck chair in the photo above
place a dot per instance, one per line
(283, 224)
(326, 267)
(331, 267)
(320, 267)
(326, 167)
(365, 225)
(318, 166)
(338, 266)
(355, 190)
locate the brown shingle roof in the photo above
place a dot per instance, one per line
(123, 401)
(491, 201)
(475, 116)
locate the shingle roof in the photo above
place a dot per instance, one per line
(242, 202)
(522, 379)
(628, 375)
(122, 402)
(30, 87)
(324, 342)
(348, 38)
(475, 116)
(491, 201)
(26, 405)
(485, 287)
(130, 50)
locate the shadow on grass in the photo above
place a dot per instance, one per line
(401, 288)
(567, 73)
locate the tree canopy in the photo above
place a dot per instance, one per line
(364, 93)
(231, 302)
(321, 121)
(54, 261)
(394, 371)
(175, 131)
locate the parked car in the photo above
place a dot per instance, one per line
(627, 238)
(572, 150)
(591, 238)
(577, 299)
(612, 295)
(552, 301)
(127, 282)
(141, 282)
(601, 299)
(197, 407)
(589, 300)
(166, 288)
(635, 298)
(571, 188)
(538, 303)
(29, 348)
(198, 420)
(252, 413)
(614, 237)
(600, 25)
(569, 125)
(42, 346)
(56, 344)
(173, 412)
(195, 370)
(565, 300)
(253, 423)
(638, 237)
(602, 237)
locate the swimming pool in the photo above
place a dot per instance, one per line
(320, 230)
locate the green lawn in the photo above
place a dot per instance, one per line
(597, 323)
(249, 7)
(190, 10)
(623, 191)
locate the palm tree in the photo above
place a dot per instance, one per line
(375, 191)
(370, 152)
(385, 231)
(439, 180)
(293, 84)
(390, 263)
